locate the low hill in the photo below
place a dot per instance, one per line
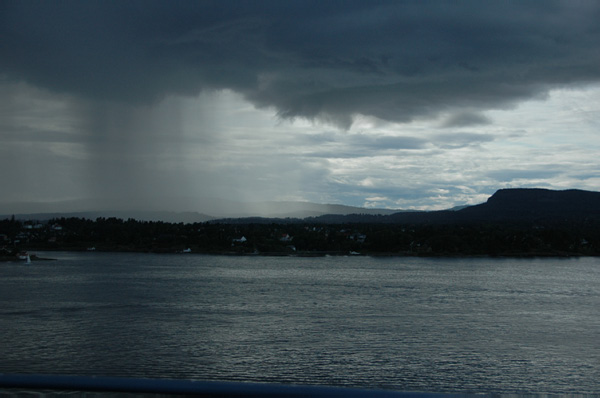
(536, 205)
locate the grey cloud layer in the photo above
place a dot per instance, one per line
(320, 60)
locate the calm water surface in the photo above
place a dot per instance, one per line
(443, 325)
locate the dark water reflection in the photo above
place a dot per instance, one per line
(443, 325)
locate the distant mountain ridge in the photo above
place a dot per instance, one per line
(271, 210)
(297, 209)
(506, 205)
(537, 204)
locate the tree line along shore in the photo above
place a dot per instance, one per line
(300, 238)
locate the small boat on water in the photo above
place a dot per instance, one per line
(24, 256)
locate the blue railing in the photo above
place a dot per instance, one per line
(31, 382)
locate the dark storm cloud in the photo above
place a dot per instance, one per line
(394, 60)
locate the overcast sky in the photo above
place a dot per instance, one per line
(394, 104)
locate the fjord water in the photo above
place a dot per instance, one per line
(443, 325)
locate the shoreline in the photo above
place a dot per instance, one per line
(32, 257)
(308, 254)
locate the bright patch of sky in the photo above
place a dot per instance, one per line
(546, 142)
